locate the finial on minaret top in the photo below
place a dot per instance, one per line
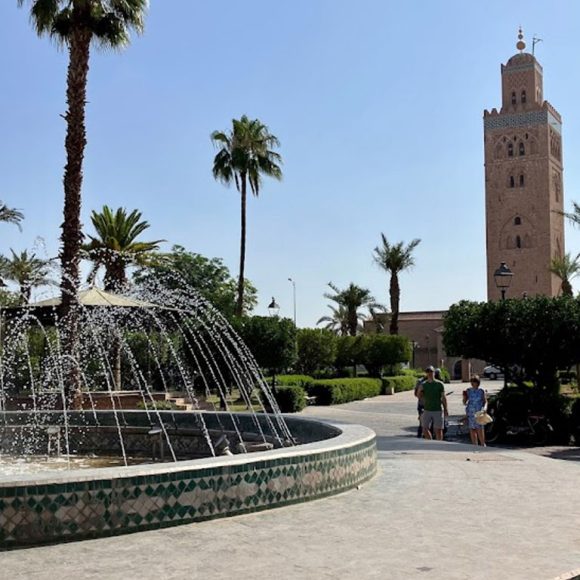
(520, 45)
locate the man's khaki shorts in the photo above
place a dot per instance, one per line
(432, 416)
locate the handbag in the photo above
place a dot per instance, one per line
(483, 418)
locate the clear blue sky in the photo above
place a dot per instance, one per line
(377, 104)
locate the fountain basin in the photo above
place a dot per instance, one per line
(80, 504)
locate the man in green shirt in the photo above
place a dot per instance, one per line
(432, 392)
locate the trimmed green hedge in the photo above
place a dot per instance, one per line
(291, 398)
(399, 383)
(336, 391)
(303, 381)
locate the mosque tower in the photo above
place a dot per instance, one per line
(523, 181)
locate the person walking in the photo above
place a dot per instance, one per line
(475, 400)
(435, 402)
(420, 404)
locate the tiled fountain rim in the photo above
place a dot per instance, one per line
(347, 437)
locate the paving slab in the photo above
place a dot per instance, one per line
(435, 510)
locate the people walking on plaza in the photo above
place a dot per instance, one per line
(420, 404)
(475, 400)
(435, 411)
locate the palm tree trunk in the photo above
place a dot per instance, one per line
(395, 293)
(352, 322)
(240, 302)
(71, 237)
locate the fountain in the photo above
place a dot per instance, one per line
(148, 438)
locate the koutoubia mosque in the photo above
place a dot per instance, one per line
(524, 198)
(523, 181)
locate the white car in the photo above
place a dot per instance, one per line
(492, 373)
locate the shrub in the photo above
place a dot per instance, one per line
(336, 391)
(398, 384)
(303, 381)
(291, 398)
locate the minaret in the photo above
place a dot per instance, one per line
(523, 181)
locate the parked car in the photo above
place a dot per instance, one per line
(492, 373)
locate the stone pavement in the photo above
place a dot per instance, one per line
(435, 510)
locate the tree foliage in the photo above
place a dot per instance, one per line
(207, 276)
(380, 351)
(115, 245)
(351, 299)
(566, 268)
(246, 154)
(10, 215)
(316, 349)
(26, 270)
(394, 259)
(537, 336)
(271, 340)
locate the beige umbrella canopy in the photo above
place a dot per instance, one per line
(93, 297)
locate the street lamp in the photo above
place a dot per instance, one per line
(273, 308)
(294, 297)
(503, 278)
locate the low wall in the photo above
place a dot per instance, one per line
(73, 505)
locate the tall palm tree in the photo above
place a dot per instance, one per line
(26, 270)
(351, 299)
(115, 245)
(11, 216)
(394, 259)
(574, 215)
(245, 155)
(76, 24)
(337, 322)
(566, 268)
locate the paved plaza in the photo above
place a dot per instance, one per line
(435, 510)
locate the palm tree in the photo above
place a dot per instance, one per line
(115, 245)
(351, 299)
(566, 268)
(337, 322)
(574, 215)
(76, 24)
(394, 259)
(11, 216)
(26, 270)
(245, 155)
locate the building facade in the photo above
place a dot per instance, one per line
(523, 181)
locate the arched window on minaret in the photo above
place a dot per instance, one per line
(522, 181)
(517, 221)
(523, 99)
(522, 148)
(514, 100)
(518, 242)
(512, 181)
(510, 149)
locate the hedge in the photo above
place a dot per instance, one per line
(398, 384)
(336, 391)
(303, 381)
(291, 398)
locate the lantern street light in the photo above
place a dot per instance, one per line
(503, 278)
(273, 308)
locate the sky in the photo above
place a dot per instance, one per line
(377, 104)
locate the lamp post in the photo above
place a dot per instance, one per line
(273, 310)
(503, 278)
(293, 297)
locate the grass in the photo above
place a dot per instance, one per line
(236, 403)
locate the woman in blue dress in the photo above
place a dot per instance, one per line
(475, 400)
